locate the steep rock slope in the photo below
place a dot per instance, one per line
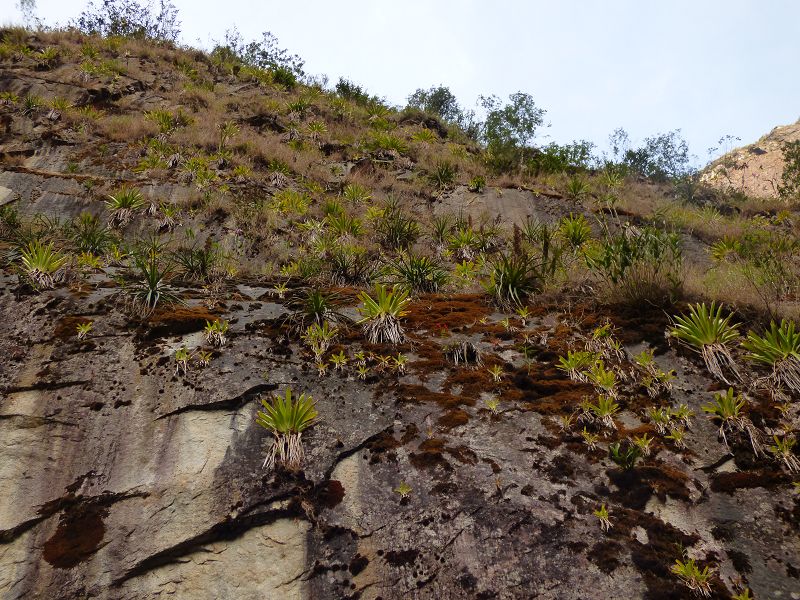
(122, 478)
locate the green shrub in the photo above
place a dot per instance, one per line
(789, 188)
(286, 418)
(416, 274)
(640, 265)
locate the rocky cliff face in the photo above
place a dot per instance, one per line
(754, 169)
(121, 478)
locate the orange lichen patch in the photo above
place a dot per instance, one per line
(453, 418)
(431, 454)
(67, 327)
(633, 324)
(730, 482)
(639, 484)
(421, 394)
(171, 320)
(79, 534)
(431, 357)
(548, 391)
(472, 381)
(446, 313)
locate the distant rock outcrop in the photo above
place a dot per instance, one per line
(754, 169)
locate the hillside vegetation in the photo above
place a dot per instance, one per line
(263, 335)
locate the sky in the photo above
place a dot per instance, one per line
(710, 68)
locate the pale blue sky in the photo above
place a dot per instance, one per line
(708, 67)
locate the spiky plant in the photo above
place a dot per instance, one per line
(727, 409)
(604, 380)
(204, 357)
(215, 332)
(643, 442)
(463, 351)
(661, 418)
(783, 450)
(41, 264)
(706, 331)
(182, 358)
(590, 439)
(90, 235)
(122, 205)
(576, 363)
(624, 456)
(512, 279)
(319, 338)
(381, 314)
(150, 287)
(696, 579)
(575, 230)
(496, 371)
(778, 348)
(356, 193)
(309, 306)
(603, 411)
(83, 329)
(416, 274)
(286, 417)
(603, 516)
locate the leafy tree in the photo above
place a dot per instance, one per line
(352, 91)
(790, 179)
(661, 157)
(264, 54)
(28, 10)
(439, 101)
(558, 158)
(131, 18)
(509, 129)
(513, 124)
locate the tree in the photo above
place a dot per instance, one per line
(661, 157)
(264, 54)
(131, 18)
(28, 10)
(439, 101)
(509, 129)
(511, 125)
(790, 178)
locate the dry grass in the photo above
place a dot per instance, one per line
(125, 128)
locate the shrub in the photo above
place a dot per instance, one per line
(351, 91)
(90, 236)
(416, 274)
(149, 287)
(512, 279)
(778, 348)
(556, 158)
(641, 266)
(477, 184)
(41, 264)
(661, 157)
(706, 331)
(508, 129)
(286, 418)
(789, 187)
(395, 229)
(444, 175)
(381, 314)
(130, 18)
